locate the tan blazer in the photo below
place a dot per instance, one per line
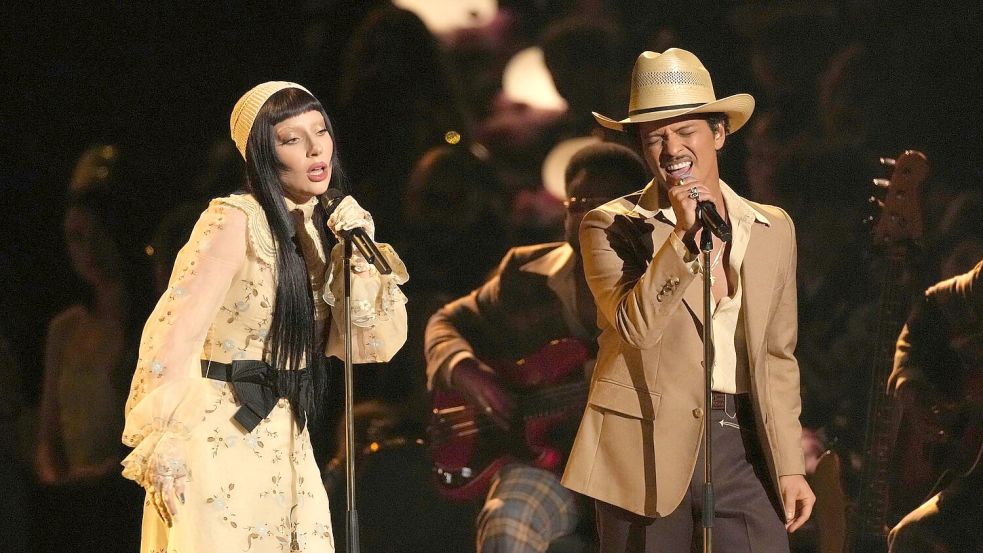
(638, 442)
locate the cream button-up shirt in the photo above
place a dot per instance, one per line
(730, 365)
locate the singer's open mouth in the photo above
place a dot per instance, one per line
(678, 168)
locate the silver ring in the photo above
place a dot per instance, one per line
(694, 193)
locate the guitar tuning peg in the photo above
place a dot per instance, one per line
(874, 201)
(881, 183)
(888, 161)
(868, 220)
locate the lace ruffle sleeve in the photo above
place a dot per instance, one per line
(159, 412)
(378, 307)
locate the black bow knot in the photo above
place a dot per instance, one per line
(257, 388)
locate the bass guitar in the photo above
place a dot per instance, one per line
(879, 503)
(550, 394)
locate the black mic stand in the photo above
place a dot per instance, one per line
(706, 246)
(352, 512)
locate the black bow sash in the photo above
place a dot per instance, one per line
(257, 388)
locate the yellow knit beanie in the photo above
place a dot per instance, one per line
(245, 110)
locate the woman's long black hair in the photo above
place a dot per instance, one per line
(291, 336)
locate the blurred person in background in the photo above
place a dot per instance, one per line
(89, 352)
(938, 376)
(396, 101)
(453, 201)
(582, 57)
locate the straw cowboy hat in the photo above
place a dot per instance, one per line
(675, 83)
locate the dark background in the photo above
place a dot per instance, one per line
(159, 79)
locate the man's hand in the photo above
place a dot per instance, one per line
(798, 499)
(483, 390)
(922, 406)
(683, 203)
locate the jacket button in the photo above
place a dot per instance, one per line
(697, 413)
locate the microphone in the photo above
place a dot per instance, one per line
(707, 212)
(329, 201)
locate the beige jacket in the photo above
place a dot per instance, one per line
(638, 442)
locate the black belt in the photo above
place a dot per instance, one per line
(257, 386)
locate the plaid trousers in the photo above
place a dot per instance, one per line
(526, 509)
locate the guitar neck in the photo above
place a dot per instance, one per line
(552, 400)
(883, 415)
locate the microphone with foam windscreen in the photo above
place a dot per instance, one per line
(329, 201)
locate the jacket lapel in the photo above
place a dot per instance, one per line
(758, 272)
(693, 298)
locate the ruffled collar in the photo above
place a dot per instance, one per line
(306, 208)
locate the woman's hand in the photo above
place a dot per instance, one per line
(349, 215)
(164, 480)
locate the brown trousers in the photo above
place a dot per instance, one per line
(747, 515)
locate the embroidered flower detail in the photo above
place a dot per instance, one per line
(219, 441)
(253, 442)
(157, 368)
(228, 345)
(217, 503)
(179, 291)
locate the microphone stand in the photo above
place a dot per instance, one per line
(352, 512)
(706, 247)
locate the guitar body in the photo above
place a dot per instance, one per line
(953, 444)
(915, 469)
(831, 503)
(468, 449)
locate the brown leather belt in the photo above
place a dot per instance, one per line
(720, 400)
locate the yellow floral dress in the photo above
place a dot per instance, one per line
(257, 491)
